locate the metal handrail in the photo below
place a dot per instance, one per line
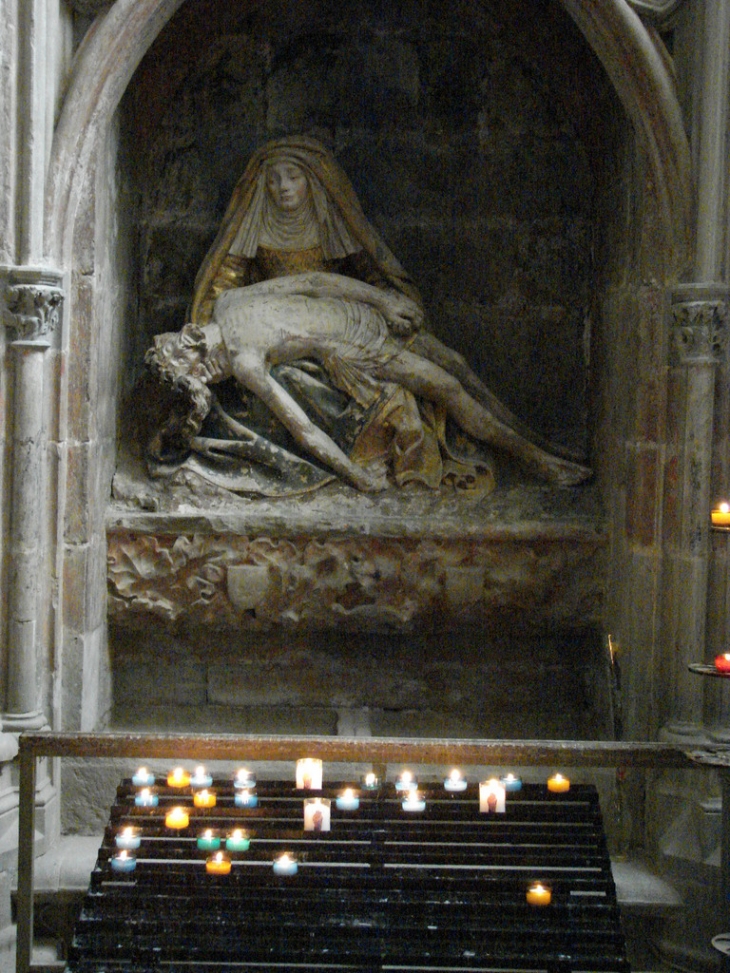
(373, 750)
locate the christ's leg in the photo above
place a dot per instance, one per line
(430, 381)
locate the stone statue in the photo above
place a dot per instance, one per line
(334, 373)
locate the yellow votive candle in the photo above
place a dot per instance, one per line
(721, 515)
(177, 818)
(204, 798)
(178, 778)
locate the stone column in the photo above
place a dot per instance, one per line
(698, 318)
(32, 310)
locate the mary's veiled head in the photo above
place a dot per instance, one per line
(329, 216)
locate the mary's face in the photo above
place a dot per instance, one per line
(287, 185)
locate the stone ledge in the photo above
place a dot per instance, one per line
(640, 890)
(527, 557)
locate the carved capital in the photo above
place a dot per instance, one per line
(699, 331)
(33, 304)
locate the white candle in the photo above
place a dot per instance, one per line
(245, 798)
(348, 800)
(412, 801)
(143, 778)
(309, 774)
(123, 862)
(244, 778)
(146, 798)
(285, 865)
(406, 781)
(455, 782)
(492, 797)
(316, 814)
(128, 838)
(201, 778)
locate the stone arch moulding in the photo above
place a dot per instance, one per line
(116, 44)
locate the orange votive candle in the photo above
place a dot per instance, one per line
(218, 864)
(537, 894)
(558, 784)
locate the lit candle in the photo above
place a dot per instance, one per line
(285, 865)
(455, 782)
(201, 778)
(722, 662)
(143, 778)
(492, 797)
(238, 840)
(309, 774)
(204, 798)
(123, 862)
(178, 778)
(146, 798)
(177, 818)
(721, 515)
(218, 864)
(371, 781)
(128, 838)
(348, 800)
(317, 814)
(558, 784)
(537, 894)
(244, 778)
(406, 781)
(413, 801)
(208, 840)
(245, 798)
(511, 783)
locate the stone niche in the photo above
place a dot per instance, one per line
(479, 140)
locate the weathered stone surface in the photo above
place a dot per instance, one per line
(327, 567)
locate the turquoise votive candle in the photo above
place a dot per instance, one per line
(208, 841)
(238, 840)
(511, 782)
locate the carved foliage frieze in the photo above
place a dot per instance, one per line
(359, 583)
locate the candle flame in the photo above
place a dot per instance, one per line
(370, 779)
(455, 774)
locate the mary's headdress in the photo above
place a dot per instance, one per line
(339, 224)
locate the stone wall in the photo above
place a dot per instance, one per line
(471, 134)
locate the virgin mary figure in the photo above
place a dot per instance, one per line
(390, 398)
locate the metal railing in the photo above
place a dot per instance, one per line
(371, 750)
